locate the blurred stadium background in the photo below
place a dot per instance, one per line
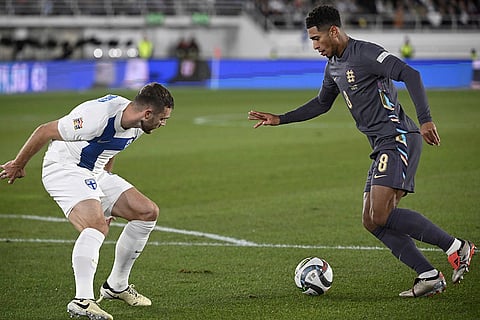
(48, 45)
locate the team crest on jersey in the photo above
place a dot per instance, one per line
(91, 183)
(77, 123)
(350, 76)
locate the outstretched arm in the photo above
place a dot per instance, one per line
(313, 108)
(264, 118)
(15, 168)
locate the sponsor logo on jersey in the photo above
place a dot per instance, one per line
(77, 123)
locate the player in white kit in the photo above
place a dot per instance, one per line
(77, 174)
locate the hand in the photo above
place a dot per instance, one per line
(11, 171)
(430, 134)
(264, 118)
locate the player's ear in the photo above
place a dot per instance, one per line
(333, 31)
(147, 114)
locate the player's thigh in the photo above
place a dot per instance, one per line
(113, 186)
(396, 168)
(133, 205)
(377, 205)
(123, 200)
(383, 199)
(387, 179)
(68, 185)
(389, 170)
(88, 214)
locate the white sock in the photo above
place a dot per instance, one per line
(428, 274)
(84, 261)
(454, 247)
(129, 246)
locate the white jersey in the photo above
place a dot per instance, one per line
(92, 134)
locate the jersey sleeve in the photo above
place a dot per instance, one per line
(82, 124)
(315, 106)
(416, 90)
(389, 66)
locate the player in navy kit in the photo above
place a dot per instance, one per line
(77, 173)
(362, 73)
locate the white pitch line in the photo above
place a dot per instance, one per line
(240, 242)
(238, 120)
(217, 244)
(227, 241)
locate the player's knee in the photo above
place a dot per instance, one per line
(156, 211)
(367, 221)
(149, 211)
(103, 228)
(378, 217)
(81, 221)
(99, 226)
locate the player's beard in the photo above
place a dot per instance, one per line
(144, 128)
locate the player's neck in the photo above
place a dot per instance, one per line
(343, 39)
(129, 118)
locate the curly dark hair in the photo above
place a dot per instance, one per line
(156, 96)
(323, 16)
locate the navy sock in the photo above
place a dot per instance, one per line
(404, 248)
(418, 227)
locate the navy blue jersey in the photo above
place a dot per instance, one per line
(363, 77)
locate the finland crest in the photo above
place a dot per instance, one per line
(91, 183)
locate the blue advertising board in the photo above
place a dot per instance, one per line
(42, 76)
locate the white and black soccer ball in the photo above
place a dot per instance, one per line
(314, 276)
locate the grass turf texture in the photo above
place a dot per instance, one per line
(209, 171)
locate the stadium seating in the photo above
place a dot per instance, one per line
(29, 28)
(278, 14)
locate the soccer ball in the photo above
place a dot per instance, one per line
(314, 276)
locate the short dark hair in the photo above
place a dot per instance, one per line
(323, 16)
(156, 96)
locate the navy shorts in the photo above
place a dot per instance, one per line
(396, 167)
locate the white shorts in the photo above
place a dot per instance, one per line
(68, 184)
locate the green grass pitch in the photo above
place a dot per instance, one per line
(240, 207)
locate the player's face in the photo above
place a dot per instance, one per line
(323, 41)
(153, 121)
